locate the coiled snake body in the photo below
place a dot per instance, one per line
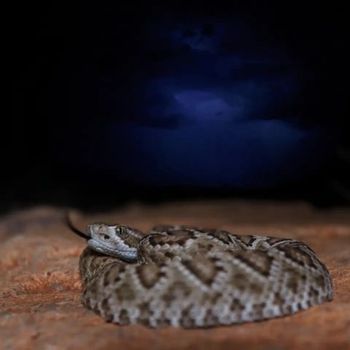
(190, 277)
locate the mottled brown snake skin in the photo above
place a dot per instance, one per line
(189, 277)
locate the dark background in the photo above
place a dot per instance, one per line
(163, 100)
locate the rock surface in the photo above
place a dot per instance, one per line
(40, 287)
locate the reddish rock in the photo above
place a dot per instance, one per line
(40, 288)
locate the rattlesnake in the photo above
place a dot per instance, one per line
(190, 277)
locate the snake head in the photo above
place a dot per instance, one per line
(114, 240)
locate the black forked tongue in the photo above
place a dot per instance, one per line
(74, 229)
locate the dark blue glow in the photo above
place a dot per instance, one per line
(210, 104)
(252, 154)
(210, 70)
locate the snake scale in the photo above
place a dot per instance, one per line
(190, 277)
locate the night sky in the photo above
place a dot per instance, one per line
(160, 100)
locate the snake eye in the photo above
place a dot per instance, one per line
(106, 237)
(122, 232)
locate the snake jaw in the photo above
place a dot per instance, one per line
(129, 255)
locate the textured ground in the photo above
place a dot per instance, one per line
(40, 288)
